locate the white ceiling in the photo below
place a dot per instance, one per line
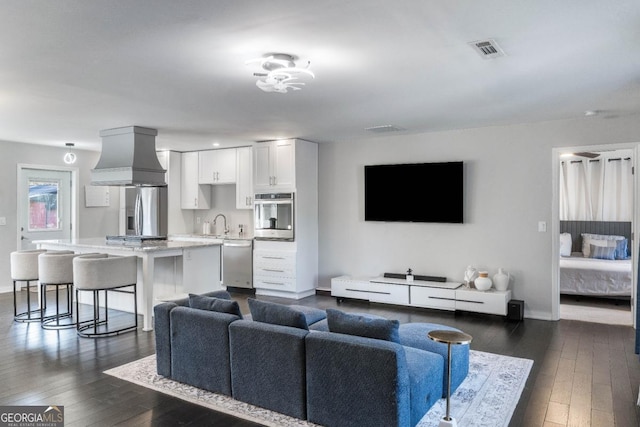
(72, 68)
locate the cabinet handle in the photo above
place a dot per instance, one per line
(275, 180)
(368, 292)
(273, 283)
(217, 176)
(273, 257)
(195, 202)
(442, 298)
(273, 270)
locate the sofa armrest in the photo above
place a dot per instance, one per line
(162, 333)
(425, 380)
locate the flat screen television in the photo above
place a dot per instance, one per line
(415, 192)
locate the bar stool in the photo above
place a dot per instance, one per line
(101, 272)
(24, 268)
(55, 268)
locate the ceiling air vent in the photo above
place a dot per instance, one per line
(384, 129)
(487, 49)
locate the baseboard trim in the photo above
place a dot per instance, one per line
(323, 291)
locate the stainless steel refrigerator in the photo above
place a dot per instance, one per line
(146, 211)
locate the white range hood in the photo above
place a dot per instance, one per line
(128, 158)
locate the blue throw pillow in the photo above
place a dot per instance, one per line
(622, 249)
(214, 304)
(363, 325)
(277, 314)
(602, 252)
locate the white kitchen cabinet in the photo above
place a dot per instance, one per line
(280, 269)
(274, 270)
(217, 166)
(274, 166)
(179, 221)
(192, 194)
(244, 178)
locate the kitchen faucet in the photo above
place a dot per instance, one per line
(226, 230)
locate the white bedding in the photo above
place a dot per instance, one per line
(595, 277)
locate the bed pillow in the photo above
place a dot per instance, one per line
(598, 240)
(220, 305)
(565, 244)
(622, 249)
(363, 325)
(602, 252)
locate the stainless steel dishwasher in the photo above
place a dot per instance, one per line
(237, 263)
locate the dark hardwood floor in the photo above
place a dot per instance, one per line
(584, 374)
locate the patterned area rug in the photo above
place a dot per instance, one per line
(486, 398)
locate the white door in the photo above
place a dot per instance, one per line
(45, 205)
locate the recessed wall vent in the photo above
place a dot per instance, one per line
(384, 129)
(487, 49)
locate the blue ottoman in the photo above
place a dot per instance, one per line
(415, 335)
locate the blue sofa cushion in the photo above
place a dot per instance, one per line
(362, 325)
(214, 304)
(277, 314)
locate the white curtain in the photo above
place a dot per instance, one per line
(597, 189)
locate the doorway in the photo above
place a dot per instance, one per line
(594, 219)
(46, 204)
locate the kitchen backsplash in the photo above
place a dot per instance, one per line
(223, 200)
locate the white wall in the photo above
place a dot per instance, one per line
(91, 221)
(508, 190)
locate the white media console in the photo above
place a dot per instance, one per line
(419, 293)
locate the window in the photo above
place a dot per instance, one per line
(43, 205)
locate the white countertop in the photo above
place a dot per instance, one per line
(146, 246)
(234, 236)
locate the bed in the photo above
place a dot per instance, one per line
(585, 276)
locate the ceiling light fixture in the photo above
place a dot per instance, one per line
(69, 157)
(280, 72)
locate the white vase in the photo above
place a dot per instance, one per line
(501, 280)
(483, 282)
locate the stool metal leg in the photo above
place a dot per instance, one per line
(29, 315)
(54, 321)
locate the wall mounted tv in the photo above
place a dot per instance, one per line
(415, 192)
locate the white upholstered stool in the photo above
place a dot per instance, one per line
(102, 272)
(56, 270)
(24, 268)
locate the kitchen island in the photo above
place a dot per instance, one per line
(166, 268)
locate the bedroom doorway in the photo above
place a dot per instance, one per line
(595, 219)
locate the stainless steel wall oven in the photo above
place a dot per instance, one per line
(274, 216)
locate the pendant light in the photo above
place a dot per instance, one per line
(69, 157)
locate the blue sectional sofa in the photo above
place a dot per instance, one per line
(331, 368)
